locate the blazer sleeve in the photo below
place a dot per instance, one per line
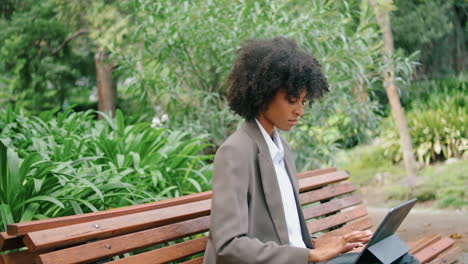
(229, 215)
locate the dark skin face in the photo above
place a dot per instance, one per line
(283, 112)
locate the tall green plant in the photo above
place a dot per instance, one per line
(439, 133)
(68, 163)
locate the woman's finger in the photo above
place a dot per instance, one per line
(358, 235)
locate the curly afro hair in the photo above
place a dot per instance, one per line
(263, 67)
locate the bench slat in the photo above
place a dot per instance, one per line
(169, 253)
(26, 227)
(337, 219)
(361, 223)
(314, 182)
(126, 243)
(430, 252)
(8, 242)
(423, 243)
(326, 192)
(331, 206)
(73, 234)
(449, 256)
(316, 172)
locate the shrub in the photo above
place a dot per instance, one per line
(437, 134)
(68, 163)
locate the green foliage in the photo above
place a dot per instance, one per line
(445, 183)
(418, 17)
(438, 133)
(184, 50)
(35, 73)
(174, 56)
(434, 92)
(69, 164)
(367, 164)
(435, 27)
(329, 126)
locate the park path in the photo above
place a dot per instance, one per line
(423, 221)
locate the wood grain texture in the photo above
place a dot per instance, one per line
(169, 253)
(25, 227)
(326, 192)
(126, 243)
(361, 223)
(73, 234)
(423, 243)
(314, 182)
(451, 255)
(316, 172)
(429, 253)
(335, 220)
(331, 206)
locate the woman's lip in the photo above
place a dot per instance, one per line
(293, 121)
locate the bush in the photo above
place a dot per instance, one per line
(68, 163)
(427, 92)
(437, 134)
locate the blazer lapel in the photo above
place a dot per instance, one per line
(273, 197)
(291, 169)
(269, 182)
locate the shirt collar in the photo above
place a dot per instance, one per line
(276, 150)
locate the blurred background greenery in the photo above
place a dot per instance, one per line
(61, 154)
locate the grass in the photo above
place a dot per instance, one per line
(444, 183)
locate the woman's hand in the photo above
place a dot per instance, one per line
(359, 236)
(326, 248)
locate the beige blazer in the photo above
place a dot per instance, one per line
(247, 217)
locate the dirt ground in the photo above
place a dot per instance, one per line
(423, 219)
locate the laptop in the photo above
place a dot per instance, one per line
(384, 246)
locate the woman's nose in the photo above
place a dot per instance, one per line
(300, 110)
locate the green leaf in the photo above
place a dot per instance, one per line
(27, 163)
(44, 199)
(76, 207)
(29, 213)
(5, 215)
(195, 184)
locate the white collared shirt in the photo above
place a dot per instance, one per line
(287, 194)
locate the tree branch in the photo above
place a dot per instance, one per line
(68, 39)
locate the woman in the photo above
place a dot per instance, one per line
(255, 216)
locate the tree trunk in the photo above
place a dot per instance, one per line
(107, 94)
(383, 19)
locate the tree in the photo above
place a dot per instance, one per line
(437, 29)
(38, 68)
(107, 28)
(382, 10)
(183, 51)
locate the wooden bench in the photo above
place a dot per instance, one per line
(174, 230)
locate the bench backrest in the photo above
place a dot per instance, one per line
(175, 229)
